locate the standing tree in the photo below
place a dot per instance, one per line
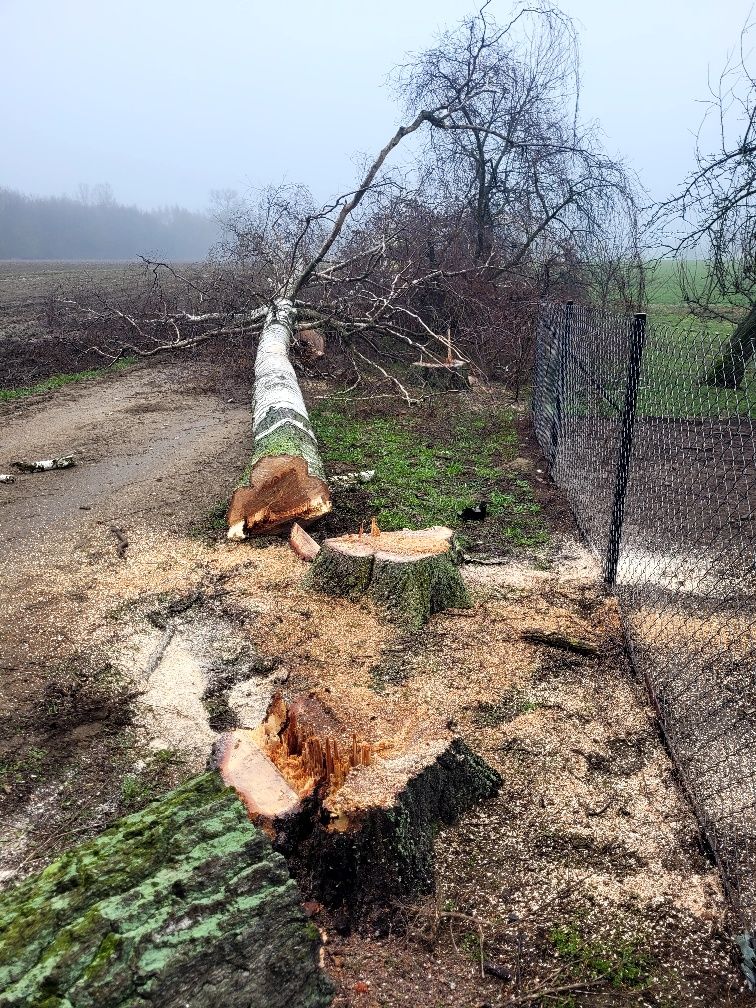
(712, 220)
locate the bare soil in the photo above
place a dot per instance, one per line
(583, 883)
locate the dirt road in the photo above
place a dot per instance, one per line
(156, 447)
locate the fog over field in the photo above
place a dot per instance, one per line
(166, 103)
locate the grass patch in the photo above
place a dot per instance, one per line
(55, 382)
(619, 963)
(429, 468)
(150, 779)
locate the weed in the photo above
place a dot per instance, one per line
(135, 792)
(214, 521)
(21, 773)
(514, 703)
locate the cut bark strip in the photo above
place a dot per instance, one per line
(286, 481)
(358, 817)
(45, 465)
(303, 545)
(413, 574)
(550, 638)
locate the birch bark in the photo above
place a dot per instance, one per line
(286, 480)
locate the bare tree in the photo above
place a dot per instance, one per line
(436, 262)
(710, 225)
(510, 147)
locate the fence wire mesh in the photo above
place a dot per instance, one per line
(660, 470)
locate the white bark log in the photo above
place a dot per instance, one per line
(45, 465)
(286, 479)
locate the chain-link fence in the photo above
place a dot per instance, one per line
(660, 470)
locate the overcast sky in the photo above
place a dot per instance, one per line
(168, 99)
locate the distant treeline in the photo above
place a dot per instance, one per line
(94, 226)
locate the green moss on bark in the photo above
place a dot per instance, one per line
(182, 903)
(411, 592)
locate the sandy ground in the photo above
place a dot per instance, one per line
(118, 672)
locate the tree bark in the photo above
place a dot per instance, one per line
(183, 903)
(412, 574)
(729, 370)
(285, 481)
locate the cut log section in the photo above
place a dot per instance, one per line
(285, 481)
(413, 574)
(357, 817)
(183, 903)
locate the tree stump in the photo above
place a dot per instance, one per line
(356, 818)
(450, 376)
(183, 903)
(412, 573)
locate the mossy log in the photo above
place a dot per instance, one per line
(285, 481)
(182, 904)
(412, 574)
(357, 817)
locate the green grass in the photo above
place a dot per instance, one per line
(429, 469)
(619, 963)
(55, 382)
(663, 281)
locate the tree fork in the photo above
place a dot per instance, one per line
(285, 481)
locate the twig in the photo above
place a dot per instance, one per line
(554, 991)
(452, 915)
(123, 542)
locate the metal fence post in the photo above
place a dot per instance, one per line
(637, 341)
(557, 423)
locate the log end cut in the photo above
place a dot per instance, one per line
(280, 490)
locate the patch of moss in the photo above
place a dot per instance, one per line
(139, 912)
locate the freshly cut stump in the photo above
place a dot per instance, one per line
(413, 574)
(356, 817)
(183, 903)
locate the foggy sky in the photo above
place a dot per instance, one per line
(168, 99)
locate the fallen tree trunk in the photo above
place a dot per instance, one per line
(356, 818)
(183, 903)
(285, 481)
(413, 574)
